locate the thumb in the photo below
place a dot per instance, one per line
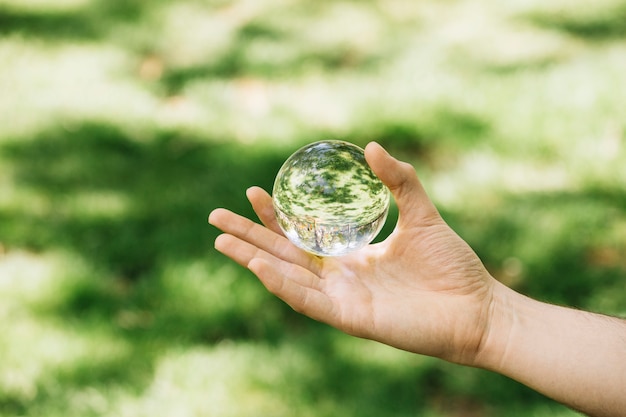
(414, 205)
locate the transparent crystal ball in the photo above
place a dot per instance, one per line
(327, 199)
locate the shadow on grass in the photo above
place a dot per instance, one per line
(436, 131)
(597, 25)
(165, 187)
(165, 184)
(89, 22)
(552, 246)
(59, 25)
(136, 212)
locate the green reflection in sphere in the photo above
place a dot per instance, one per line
(327, 199)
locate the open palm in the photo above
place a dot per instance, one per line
(422, 289)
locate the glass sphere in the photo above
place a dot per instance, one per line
(327, 199)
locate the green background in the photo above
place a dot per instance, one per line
(123, 123)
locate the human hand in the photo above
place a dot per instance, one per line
(423, 289)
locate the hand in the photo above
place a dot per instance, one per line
(423, 289)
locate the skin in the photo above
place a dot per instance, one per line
(424, 290)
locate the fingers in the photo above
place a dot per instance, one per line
(278, 278)
(244, 253)
(414, 205)
(262, 204)
(259, 238)
(238, 250)
(290, 273)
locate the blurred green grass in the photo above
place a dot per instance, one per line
(124, 123)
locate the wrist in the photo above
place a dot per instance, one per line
(572, 356)
(497, 334)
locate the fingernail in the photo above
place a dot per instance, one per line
(379, 146)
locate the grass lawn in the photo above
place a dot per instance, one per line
(123, 123)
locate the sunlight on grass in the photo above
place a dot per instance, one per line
(24, 275)
(42, 347)
(227, 380)
(98, 204)
(369, 353)
(46, 349)
(65, 83)
(190, 33)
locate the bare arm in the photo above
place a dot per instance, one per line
(575, 357)
(424, 290)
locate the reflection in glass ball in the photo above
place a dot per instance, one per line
(327, 199)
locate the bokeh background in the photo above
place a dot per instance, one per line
(123, 123)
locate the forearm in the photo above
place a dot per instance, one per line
(575, 357)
